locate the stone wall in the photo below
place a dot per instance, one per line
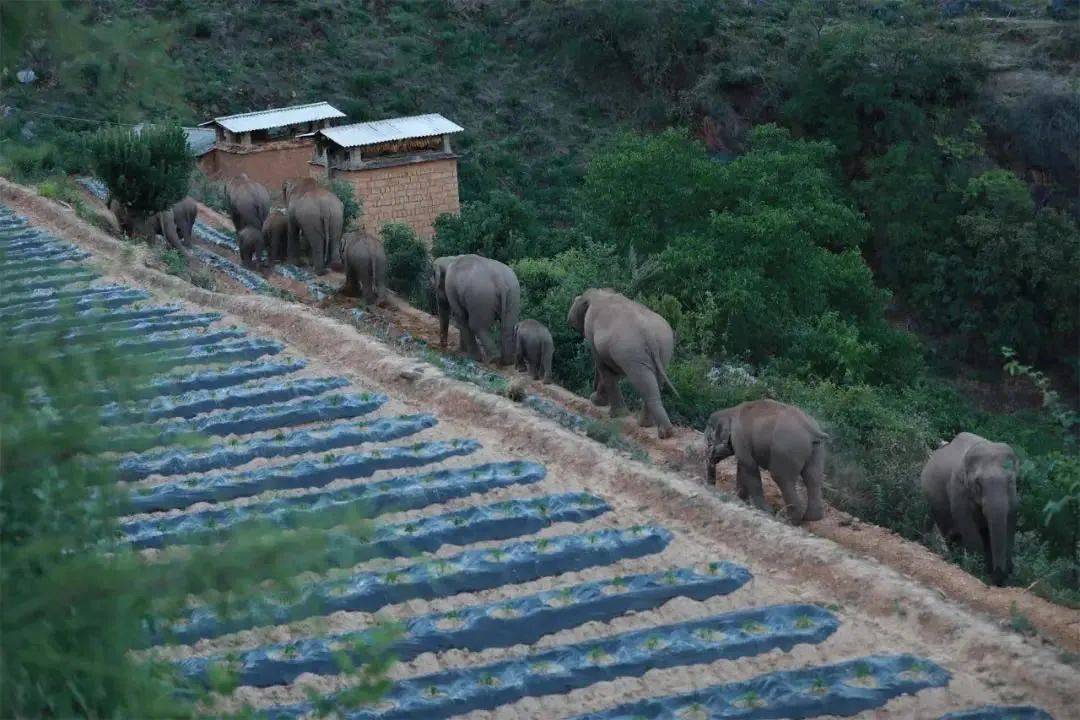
(414, 193)
(270, 164)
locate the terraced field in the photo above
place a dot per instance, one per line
(536, 575)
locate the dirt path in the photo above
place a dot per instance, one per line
(880, 609)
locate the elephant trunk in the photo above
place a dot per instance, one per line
(997, 511)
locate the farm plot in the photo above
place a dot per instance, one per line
(525, 588)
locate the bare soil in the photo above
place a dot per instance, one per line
(891, 595)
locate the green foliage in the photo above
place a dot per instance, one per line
(145, 172)
(73, 601)
(407, 261)
(352, 206)
(501, 227)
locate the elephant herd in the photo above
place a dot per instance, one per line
(969, 483)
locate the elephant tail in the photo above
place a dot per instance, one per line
(326, 238)
(661, 374)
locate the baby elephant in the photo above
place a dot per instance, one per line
(533, 347)
(971, 486)
(365, 265)
(252, 243)
(276, 231)
(765, 434)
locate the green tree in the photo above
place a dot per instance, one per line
(407, 262)
(145, 172)
(501, 227)
(352, 207)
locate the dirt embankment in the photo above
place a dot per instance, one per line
(679, 493)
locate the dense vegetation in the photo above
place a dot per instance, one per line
(849, 214)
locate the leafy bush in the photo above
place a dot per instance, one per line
(73, 600)
(501, 227)
(407, 262)
(145, 172)
(352, 206)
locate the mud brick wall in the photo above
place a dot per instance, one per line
(415, 193)
(270, 164)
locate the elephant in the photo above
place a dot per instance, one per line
(626, 339)
(970, 484)
(365, 265)
(248, 201)
(251, 242)
(533, 348)
(780, 438)
(477, 291)
(318, 214)
(175, 224)
(276, 233)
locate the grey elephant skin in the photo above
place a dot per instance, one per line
(176, 224)
(768, 435)
(248, 201)
(970, 484)
(276, 234)
(251, 244)
(628, 340)
(476, 292)
(364, 259)
(317, 214)
(533, 349)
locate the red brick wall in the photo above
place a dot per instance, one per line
(414, 193)
(270, 165)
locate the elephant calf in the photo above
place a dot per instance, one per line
(365, 266)
(276, 233)
(251, 243)
(533, 349)
(626, 339)
(970, 484)
(765, 434)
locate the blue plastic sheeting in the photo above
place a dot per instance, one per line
(44, 296)
(39, 282)
(569, 667)
(1000, 712)
(52, 308)
(520, 621)
(211, 379)
(843, 689)
(302, 474)
(99, 317)
(240, 421)
(52, 269)
(295, 442)
(469, 571)
(169, 340)
(250, 280)
(219, 353)
(90, 331)
(42, 252)
(215, 236)
(463, 527)
(196, 402)
(394, 494)
(95, 186)
(33, 265)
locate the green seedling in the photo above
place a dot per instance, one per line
(653, 642)
(803, 622)
(598, 655)
(489, 680)
(751, 700)
(392, 578)
(753, 627)
(819, 687)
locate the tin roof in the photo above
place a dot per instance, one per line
(200, 140)
(379, 131)
(276, 117)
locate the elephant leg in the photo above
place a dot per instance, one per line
(519, 355)
(599, 395)
(506, 341)
(489, 352)
(292, 246)
(644, 381)
(814, 477)
(610, 380)
(349, 288)
(748, 485)
(545, 363)
(792, 503)
(318, 259)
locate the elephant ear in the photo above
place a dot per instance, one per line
(576, 317)
(965, 474)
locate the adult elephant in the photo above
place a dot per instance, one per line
(175, 223)
(476, 292)
(318, 214)
(626, 339)
(249, 203)
(970, 484)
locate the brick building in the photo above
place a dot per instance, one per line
(271, 146)
(403, 169)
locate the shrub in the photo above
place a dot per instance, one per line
(501, 227)
(407, 262)
(145, 172)
(73, 600)
(352, 206)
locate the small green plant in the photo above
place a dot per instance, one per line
(497, 555)
(489, 680)
(1020, 622)
(751, 700)
(819, 686)
(542, 544)
(598, 655)
(803, 622)
(863, 670)
(753, 627)
(653, 642)
(176, 262)
(392, 577)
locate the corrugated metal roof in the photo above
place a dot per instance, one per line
(379, 131)
(200, 140)
(276, 117)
